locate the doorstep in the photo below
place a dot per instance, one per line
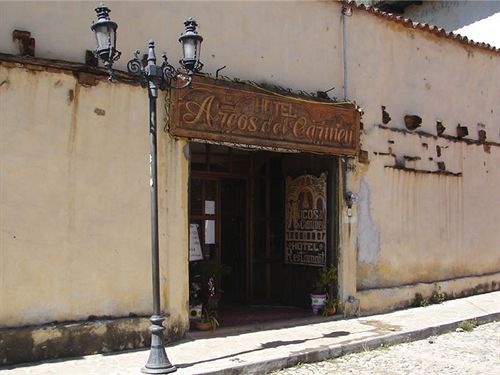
(223, 331)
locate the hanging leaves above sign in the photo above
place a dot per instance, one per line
(238, 113)
(305, 228)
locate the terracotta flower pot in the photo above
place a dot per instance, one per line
(203, 326)
(330, 311)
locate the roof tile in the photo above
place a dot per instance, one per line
(438, 31)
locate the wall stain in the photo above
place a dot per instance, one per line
(73, 126)
(440, 128)
(71, 96)
(386, 118)
(71, 149)
(422, 134)
(100, 112)
(87, 79)
(35, 343)
(368, 234)
(381, 327)
(424, 171)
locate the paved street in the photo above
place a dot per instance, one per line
(474, 352)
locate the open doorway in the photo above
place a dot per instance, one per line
(233, 239)
(237, 212)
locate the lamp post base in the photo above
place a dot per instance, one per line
(158, 362)
(167, 370)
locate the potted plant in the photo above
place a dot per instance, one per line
(204, 293)
(208, 320)
(195, 304)
(330, 306)
(210, 273)
(327, 276)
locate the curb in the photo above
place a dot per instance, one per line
(335, 351)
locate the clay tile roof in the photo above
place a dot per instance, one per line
(406, 22)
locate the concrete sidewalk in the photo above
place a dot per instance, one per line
(275, 347)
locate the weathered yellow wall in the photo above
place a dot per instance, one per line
(75, 235)
(406, 228)
(294, 44)
(96, 258)
(173, 175)
(415, 229)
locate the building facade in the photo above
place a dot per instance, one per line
(423, 162)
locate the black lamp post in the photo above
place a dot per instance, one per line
(154, 77)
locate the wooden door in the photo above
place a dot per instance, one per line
(268, 219)
(219, 188)
(204, 212)
(233, 240)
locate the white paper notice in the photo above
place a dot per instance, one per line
(194, 243)
(209, 207)
(209, 232)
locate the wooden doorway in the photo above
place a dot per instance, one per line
(239, 197)
(234, 238)
(219, 190)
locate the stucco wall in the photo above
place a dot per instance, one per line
(101, 280)
(407, 228)
(275, 42)
(416, 222)
(75, 237)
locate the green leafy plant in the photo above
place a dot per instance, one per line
(210, 316)
(420, 301)
(467, 325)
(299, 365)
(331, 303)
(194, 293)
(204, 278)
(213, 269)
(437, 296)
(327, 277)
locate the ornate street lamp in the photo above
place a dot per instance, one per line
(154, 77)
(105, 35)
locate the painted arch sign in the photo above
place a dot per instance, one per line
(237, 113)
(305, 220)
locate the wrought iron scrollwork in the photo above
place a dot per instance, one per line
(168, 70)
(134, 66)
(164, 77)
(114, 55)
(198, 67)
(174, 78)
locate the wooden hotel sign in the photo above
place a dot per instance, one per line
(241, 114)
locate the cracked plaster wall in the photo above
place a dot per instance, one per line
(425, 211)
(74, 220)
(412, 225)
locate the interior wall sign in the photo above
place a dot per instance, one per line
(305, 220)
(238, 113)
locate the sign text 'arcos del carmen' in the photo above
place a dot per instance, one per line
(241, 114)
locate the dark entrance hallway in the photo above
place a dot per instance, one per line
(233, 223)
(237, 203)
